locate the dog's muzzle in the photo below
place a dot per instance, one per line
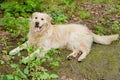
(38, 27)
(36, 24)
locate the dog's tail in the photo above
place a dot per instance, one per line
(105, 39)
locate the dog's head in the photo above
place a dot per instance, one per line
(39, 21)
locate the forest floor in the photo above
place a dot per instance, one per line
(103, 62)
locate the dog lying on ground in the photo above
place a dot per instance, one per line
(75, 37)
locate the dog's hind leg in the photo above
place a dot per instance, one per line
(85, 51)
(73, 54)
(16, 50)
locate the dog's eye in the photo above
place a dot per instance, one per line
(42, 19)
(35, 17)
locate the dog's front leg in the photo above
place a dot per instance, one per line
(16, 50)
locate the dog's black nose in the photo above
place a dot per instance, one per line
(36, 24)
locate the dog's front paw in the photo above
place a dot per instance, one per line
(80, 59)
(12, 52)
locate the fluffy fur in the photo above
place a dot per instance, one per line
(76, 37)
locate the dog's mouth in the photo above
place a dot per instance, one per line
(38, 28)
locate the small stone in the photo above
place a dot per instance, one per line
(63, 77)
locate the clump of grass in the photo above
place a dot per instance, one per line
(16, 15)
(15, 26)
(83, 14)
(101, 1)
(33, 70)
(113, 26)
(15, 20)
(59, 18)
(99, 30)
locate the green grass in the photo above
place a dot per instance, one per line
(32, 70)
(83, 14)
(102, 63)
(99, 30)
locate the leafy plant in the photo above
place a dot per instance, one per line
(83, 14)
(100, 1)
(59, 18)
(16, 26)
(16, 75)
(33, 70)
(2, 62)
(16, 15)
(15, 19)
(114, 26)
(4, 41)
(54, 64)
(99, 30)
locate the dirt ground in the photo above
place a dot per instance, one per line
(103, 62)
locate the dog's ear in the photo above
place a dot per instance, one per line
(31, 16)
(49, 18)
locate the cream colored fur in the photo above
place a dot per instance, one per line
(75, 37)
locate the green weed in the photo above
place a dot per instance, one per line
(15, 20)
(83, 14)
(59, 18)
(99, 30)
(2, 62)
(114, 26)
(16, 26)
(3, 41)
(16, 15)
(100, 1)
(33, 69)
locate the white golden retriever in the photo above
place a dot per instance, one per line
(76, 37)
